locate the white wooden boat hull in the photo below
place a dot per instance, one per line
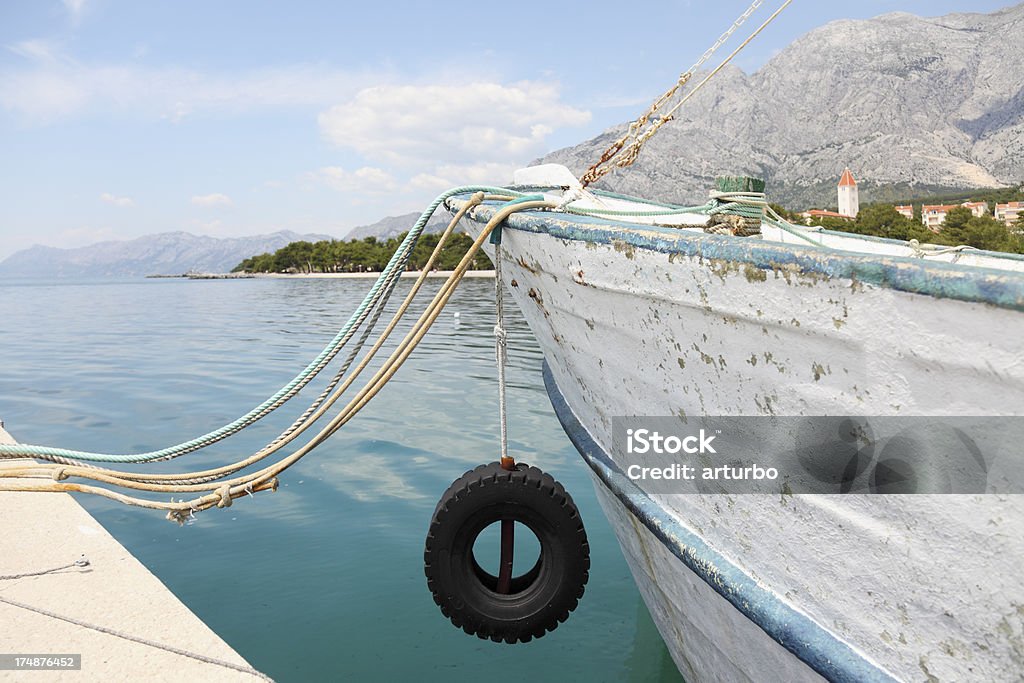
(655, 322)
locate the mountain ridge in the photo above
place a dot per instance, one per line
(166, 253)
(913, 105)
(929, 102)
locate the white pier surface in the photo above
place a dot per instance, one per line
(39, 531)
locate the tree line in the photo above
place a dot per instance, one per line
(880, 220)
(361, 255)
(961, 227)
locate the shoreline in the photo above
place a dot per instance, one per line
(320, 276)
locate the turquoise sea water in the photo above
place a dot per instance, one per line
(322, 580)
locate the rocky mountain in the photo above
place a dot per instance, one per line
(392, 226)
(169, 253)
(925, 104)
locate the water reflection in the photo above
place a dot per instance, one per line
(322, 580)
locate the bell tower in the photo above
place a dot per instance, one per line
(849, 202)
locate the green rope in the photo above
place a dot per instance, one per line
(705, 209)
(398, 260)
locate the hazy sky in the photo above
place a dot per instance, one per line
(122, 118)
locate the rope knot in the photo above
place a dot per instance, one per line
(500, 345)
(225, 496)
(178, 516)
(59, 474)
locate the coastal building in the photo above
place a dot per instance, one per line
(1008, 213)
(934, 216)
(907, 211)
(849, 200)
(817, 214)
(978, 209)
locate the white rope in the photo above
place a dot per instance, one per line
(500, 349)
(921, 252)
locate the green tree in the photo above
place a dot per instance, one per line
(882, 220)
(954, 229)
(986, 232)
(840, 224)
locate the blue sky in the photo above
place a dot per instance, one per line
(123, 118)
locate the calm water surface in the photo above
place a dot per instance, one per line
(322, 580)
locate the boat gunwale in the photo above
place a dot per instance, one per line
(938, 279)
(808, 230)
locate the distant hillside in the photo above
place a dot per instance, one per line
(936, 104)
(168, 253)
(393, 226)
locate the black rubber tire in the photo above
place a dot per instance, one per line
(540, 599)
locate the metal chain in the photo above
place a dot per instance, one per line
(725, 36)
(615, 155)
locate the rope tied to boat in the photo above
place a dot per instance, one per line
(736, 213)
(618, 154)
(212, 487)
(501, 352)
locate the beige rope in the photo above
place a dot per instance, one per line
(266, 479)
(188, 481)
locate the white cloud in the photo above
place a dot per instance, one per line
(429, 125)
(116, 201)
(53, 85)
(213, 199)
(445, 176)
(365, 180)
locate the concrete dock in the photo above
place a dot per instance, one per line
(115, 591)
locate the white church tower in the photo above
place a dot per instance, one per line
(849, 202)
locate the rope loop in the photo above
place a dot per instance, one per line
(225, 496)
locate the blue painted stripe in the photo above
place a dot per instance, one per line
(809, 641)
(932, 278)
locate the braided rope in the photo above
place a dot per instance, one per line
(288, 391)
(192, 481)
(225, 492)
